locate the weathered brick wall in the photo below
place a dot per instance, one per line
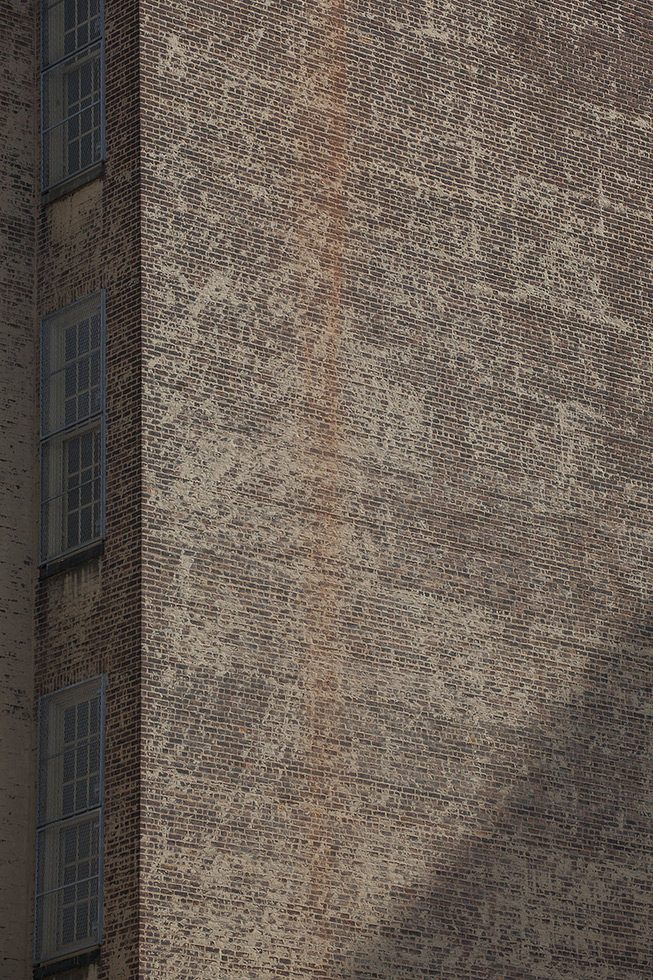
(17, 484)
(397, 394)
(89, 617)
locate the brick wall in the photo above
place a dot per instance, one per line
(89, 617)
(17, 485)
(395, 467)
(396, 444)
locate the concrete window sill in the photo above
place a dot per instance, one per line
(75, 965)
(73, 183)
(70, 561)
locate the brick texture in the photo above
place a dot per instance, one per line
(374, 598)
(396, 451)
(17, 484)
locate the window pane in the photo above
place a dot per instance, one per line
(82, 920)
(82, 758)
(68, 807)
(83, 405)
(69, 724)
(72, 86)
(70, 375)
(83, 373)
(81, 795)
(83, 334)
(68, 924)
(87, 449)
(95, 368)
(73, 446)
(82, 720)
(73, 159)
(94, 715)
(86, 523)
(70, 342)
(70, 12)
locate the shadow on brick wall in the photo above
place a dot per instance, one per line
(552, 876)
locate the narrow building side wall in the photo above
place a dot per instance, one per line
(18, 510)
(89, 615)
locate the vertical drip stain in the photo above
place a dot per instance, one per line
(323, 236)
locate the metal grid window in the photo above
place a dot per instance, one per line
(72, 428)
(72, 88)
(69, 821)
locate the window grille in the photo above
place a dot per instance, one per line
(69, 821)
(72, 88)
(72, 428)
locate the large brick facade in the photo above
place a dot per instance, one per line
(374, 598)
(396, 424)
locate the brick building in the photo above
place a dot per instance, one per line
(325, 448)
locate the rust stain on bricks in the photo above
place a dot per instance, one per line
(323, 235)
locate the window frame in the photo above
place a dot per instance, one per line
(72, 949)
(45, 71)
(61, 433)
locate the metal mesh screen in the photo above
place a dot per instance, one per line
(69, 758)
(69, 874)
(72, 487)
(72, 353)
(71, 92)
(72, 449)
(67, 886)
(68, 26)
(72, 138)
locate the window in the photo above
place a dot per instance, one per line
(72, 428)
(72, 84)
(69, 821)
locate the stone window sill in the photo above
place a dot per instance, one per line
(70, 963)
(73, 183)
(58, 565)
